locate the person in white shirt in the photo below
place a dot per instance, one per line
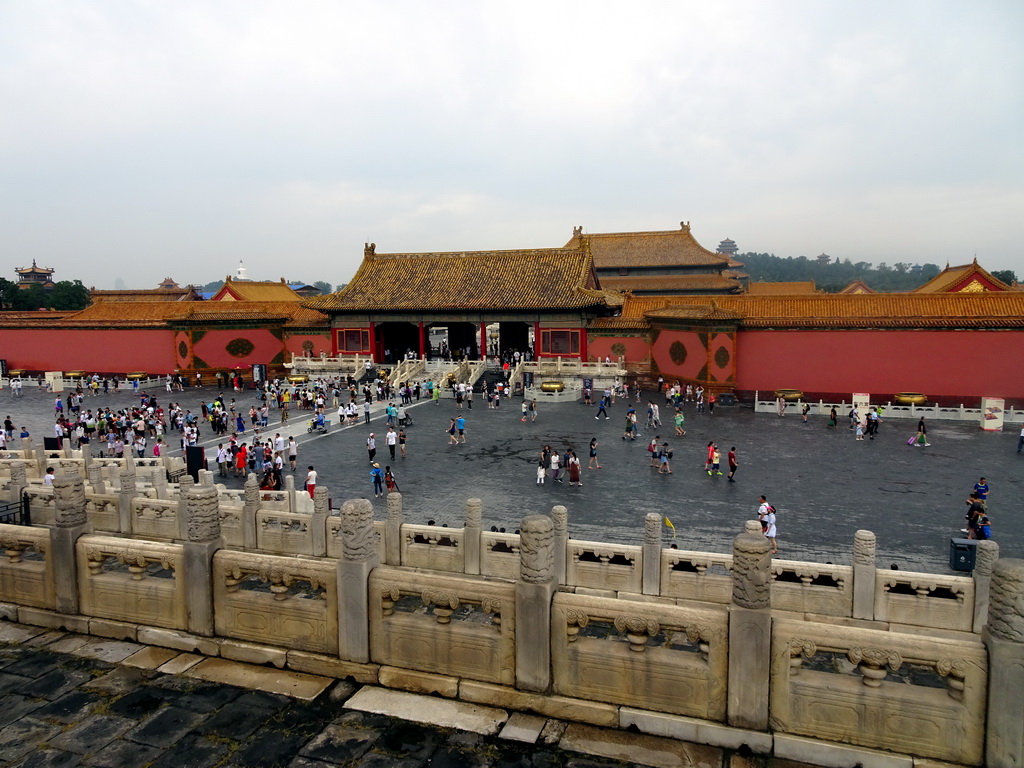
(311, 481)
(222, 460)
(48, 477)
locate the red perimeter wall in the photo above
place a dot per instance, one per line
(955, 366)
(107, 351)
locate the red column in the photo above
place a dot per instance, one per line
(423, 348)
(373, 341)
(334, 342)
(483, 341)
(583, 345)
(536, 340)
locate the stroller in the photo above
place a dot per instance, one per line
(319, 425)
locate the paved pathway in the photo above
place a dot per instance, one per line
(824, 484)
(69, 700)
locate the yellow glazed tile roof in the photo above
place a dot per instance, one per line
(253, 290)
(876, 310)
(950, 277)
(670, 283)
(650, 249)
(782, 289)
(547, 278)
(147, 314)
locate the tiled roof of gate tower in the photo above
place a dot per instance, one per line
(877, 310)
(544, 278)
(675, 247)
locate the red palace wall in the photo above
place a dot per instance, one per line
(951, 366)
(321, 343)
(637, 348)
(110, 351)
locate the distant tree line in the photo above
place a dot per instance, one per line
(321, 285)
(66, 295)
(834, 275)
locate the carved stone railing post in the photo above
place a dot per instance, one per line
(988, 553)
(358, 558)
(560, 517)
(864, 575)
(96, 481)
(750, 630)
(28, 447)
(289, 487)
(202, 542)
(250, 506)
(321, 498)
(185, 484)
(534, 591)
(471, 536)
(393, 530)
(159, 481)
(70, 523)
(19, 480)
(205, 478)
(124, 501)
(652, 554)
(1004, 637)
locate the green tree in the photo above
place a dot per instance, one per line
(322, 286)
(27, 299)
(67, 295)
(8, 293)
(1008, 276)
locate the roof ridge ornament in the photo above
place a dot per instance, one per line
(684, 225)
(577, 231)
(369, 249)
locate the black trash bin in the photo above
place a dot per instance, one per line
(962, 554)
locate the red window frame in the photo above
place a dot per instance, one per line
(353, 341)
(560, 342)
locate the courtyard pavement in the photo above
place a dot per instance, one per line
(824, 484)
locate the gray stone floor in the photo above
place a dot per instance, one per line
(824, 484)
(68, 700)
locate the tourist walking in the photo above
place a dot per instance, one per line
(833, 419)
(311, 481)
(391, 438)
(452, 438)
(602, 408)
(652, 448)
(389, 480)
(663, 457)
(922, 434)
(733, 464)
(716, 461)
(542, 469)
(593, 455)
(1020, 440)
(533, 410)
(293, 453)
(574, 470)
(710, 456)
(766, 514)
(678, 419)
(460, 424)
(377, 479)
(401, 442)
(555, 468)
(371, 446)
(803, 413)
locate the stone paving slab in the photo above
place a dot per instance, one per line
(428, 709)
(150, 657)
(180, 663)
(107, 650)
(120, 715)
(298, 685)
(649, 750)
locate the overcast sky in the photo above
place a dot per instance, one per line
(140, 140)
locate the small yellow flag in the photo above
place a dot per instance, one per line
(669, 524)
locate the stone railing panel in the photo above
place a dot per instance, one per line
(817, 588)
(925, 600)
(131, 580)
(101, 509)
(699, 576)
(654, 656)
(284, 533)
(231, 525)
(25, 575)
(41, 503)
(433, 547)
(908, 693)
(462, 626)
(599, 565)
(499, 555)
(290, 602)
(155, 518)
